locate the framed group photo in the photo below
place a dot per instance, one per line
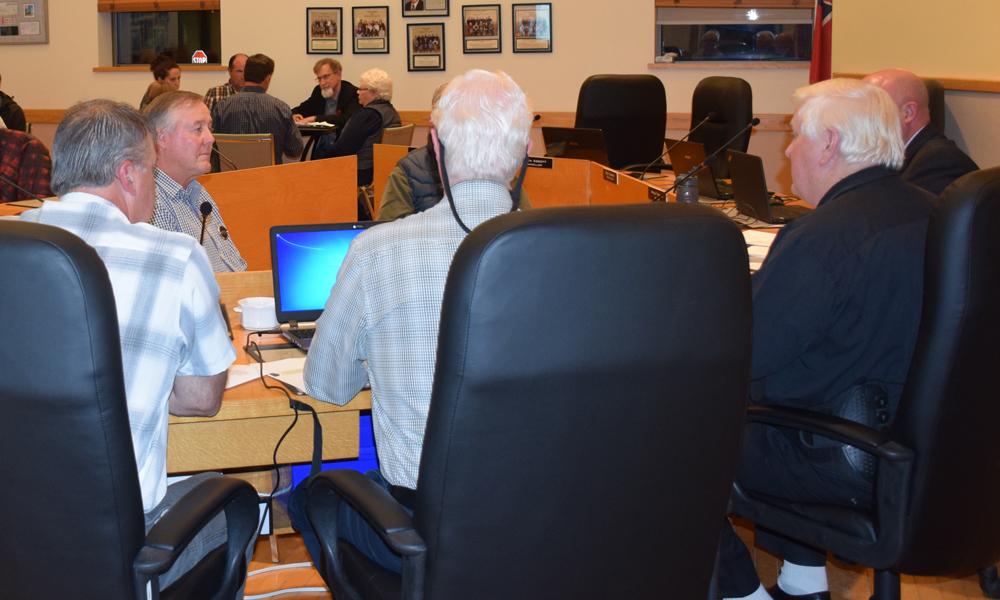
(425, 47)
(370, 29)
(481, 29)
(425, 8)
(325, 34)
(532, 27)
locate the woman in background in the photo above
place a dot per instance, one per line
(166, 71)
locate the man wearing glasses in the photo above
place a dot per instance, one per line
(333, 100)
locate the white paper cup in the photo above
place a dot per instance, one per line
(257, 314)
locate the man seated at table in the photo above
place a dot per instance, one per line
(390, 338)
(414, 185)
(184, 153)
(253, 110)
(364, 129)
(932, 160)
(237, 63)
(175, 350)
(332, 101)
(836, 307)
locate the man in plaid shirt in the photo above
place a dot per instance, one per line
(236, 64)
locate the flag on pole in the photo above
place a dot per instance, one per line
(819, 70)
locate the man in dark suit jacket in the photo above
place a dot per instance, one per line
(932, 160)
(332, 89)
(410, 5)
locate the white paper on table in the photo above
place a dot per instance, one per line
(240, 374)
(757, 251)
(288, 371)
(758, 238)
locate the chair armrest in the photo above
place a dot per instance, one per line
(375, 505)
(836, 428)
(175, 530)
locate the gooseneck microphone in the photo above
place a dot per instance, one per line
(206, 209)
(713, 158)
(19, 188)
(229, 163)
(709, 117)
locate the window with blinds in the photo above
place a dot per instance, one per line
(707, 30)
(188, 31)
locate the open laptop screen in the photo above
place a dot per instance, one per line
(305, 260)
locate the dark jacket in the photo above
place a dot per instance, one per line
(11, 113)
(933, 161)
(347, 105)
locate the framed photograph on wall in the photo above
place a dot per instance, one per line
(425, 8)
(533, 27)
(425, 47)
(24, 22)
(325, 31)
(481, 29)
(370, 29)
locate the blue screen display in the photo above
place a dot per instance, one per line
(308, 263)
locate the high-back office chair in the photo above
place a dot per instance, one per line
(935, 94)
(28, 165)
(631, 110)
(244, 150)
(398, 136)
(71, 510)
(731, 99)
(936, 492)
(580, 445)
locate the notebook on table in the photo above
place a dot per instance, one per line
(305, 260)
(750, 190)
(571, 142)
(685, 156)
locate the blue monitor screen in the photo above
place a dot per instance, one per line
(307, 263)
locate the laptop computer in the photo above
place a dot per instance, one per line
(684, 156)
(570, 142)
(305, 260)
(750, 190)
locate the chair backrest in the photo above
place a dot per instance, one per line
(245, 150)
(71, 511)
(731, 99)
(935, 95)
(631, 110)
(27, 164)
(587, 404)
(398, 136)
(948, 412)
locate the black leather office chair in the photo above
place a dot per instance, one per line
(935, 94)
(586, 412)
(731, 99)
(71, 510)
(631, 110)
(936, 492)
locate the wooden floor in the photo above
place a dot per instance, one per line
(846, 582)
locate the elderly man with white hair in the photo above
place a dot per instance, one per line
(836, 306)
(380, 324)
(364, 129)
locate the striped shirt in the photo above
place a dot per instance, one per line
(179, 209)
(253, 111)
(220, 92)
(168, 317)
(385, 309)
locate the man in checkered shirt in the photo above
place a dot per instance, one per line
(237, 63)
(380, 324)
(175, 350)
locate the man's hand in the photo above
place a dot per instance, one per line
(197, 396)
(301, 119)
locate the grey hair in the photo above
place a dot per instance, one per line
(160, 111)
(378, 80)
(94, 139)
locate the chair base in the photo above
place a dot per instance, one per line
(886, 586)
(989, 581)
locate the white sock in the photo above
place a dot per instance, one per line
(797, 580)
(760, 594)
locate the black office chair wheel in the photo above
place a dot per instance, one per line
(989, 581)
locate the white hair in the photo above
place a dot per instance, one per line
(483, 119)
(864, 116)
(378, 80)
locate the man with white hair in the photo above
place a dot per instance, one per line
(836, 307)
(380, 324)
(932, 160)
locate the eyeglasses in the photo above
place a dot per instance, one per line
(324, 77)
(364, 89)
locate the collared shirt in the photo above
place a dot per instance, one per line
(331, 104)
(252, 110)
(218, 93)
(168, 317)
(179, 209)
(385, 309)
(25, 161)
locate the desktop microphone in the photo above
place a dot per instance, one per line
(709, 117)
(206, 209)
(708, 162)
(229, 163)
(19, 188)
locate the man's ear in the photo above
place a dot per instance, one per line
(125, 175)
(832, 148)
(909, 112)
(161, 139)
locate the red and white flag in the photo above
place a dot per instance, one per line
(819, 70)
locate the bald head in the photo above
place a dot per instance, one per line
(910, 95)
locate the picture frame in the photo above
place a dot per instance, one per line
(24, 22)
(532, 27)
(425, 47)
(426, 8)
(324, 30)
(370, 29)
(482, 31)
